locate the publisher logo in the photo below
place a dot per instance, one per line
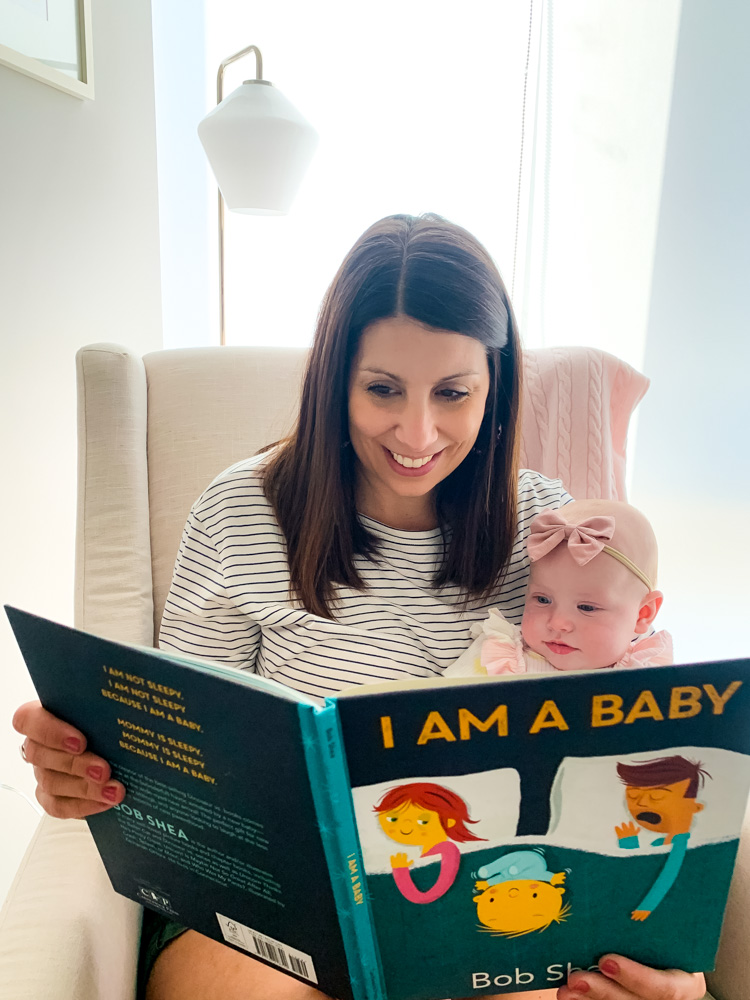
(155, 898)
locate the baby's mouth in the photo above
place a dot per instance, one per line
(560, 648)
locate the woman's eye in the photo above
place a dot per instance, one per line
(381, 391)
(422, 822)
(452, 395)
(391, 819)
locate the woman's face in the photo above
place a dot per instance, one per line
(416, 402)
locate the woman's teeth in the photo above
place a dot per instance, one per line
(412, 463)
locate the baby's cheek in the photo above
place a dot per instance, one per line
(530, 630)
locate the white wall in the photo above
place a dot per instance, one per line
(79, 262)
(693, 458)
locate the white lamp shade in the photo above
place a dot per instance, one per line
(259, 147)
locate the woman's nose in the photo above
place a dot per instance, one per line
(416, 429)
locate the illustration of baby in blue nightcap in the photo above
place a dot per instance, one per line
(518, 894)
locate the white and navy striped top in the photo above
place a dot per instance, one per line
(229, 599)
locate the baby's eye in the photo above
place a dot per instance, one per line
(587, 607)
(381, 391)
(541, 599)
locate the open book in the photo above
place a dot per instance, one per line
(445, 838)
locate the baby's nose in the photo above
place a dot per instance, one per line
(560, 622)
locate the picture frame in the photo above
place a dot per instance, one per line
(49, 41)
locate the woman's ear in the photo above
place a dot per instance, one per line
(648, 610)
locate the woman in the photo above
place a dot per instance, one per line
(365, 546)
(431, 817)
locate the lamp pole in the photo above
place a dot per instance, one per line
(259, 147)
(219, 99)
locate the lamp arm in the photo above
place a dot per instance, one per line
(234, 58)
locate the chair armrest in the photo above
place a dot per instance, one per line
(731, 980)
(64, 932)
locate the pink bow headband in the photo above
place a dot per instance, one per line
(585, 540)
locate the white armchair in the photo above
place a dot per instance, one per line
(153, 432)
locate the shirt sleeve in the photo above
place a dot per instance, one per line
(199, 618)
(666, 877)
(449, 862)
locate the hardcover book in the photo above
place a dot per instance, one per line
(446, 838)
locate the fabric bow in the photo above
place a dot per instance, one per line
(585, 540)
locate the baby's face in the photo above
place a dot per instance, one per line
(581, 617)
(520, 906)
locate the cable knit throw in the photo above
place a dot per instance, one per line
(576, 406)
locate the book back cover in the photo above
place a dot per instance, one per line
(218, 829)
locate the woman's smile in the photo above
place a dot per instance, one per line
(405, 465)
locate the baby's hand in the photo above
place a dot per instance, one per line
(628, 829)
(400, 861)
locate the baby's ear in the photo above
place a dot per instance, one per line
(648, 610)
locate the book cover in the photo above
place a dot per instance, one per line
(582, 813)
(449, 838)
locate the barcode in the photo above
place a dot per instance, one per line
(269, 949)
(265, 949)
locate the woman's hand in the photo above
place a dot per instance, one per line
(623, 979)
(71, 782)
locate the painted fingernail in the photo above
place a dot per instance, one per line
(580, 986)
(110, 793)
(95, 772)
(609, 967)
(73, 744)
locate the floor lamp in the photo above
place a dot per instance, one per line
(259, 148)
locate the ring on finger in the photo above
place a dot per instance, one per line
(22, 751)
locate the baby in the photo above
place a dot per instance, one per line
(591, 594)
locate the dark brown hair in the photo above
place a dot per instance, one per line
(438, 274)
(664, 771)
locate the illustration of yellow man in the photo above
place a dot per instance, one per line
(661, 795)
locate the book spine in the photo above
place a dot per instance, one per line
(332, 796)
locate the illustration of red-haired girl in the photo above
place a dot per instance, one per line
(429, 816)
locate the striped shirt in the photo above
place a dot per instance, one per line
(229, 600)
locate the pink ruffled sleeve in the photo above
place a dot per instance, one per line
(653, 651)
(502, 646)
